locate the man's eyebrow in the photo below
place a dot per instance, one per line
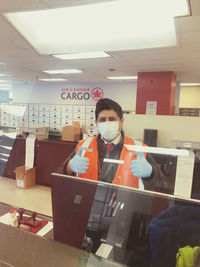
(102, 117)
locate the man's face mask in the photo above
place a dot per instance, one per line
(109, 130)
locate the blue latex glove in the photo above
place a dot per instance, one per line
(78, 163)
(140, 167)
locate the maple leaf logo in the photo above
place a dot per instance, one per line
(97, 93)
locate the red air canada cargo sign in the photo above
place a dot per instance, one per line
(82, 93)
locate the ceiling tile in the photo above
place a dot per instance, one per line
(26, 65)
(190, 37)
(18, 5)
(186, 24)
(64, 3)
(195, 7)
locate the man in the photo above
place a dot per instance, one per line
(106, 158)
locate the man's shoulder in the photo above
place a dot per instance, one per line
(134, 141)
(129, 139)
(88, 140)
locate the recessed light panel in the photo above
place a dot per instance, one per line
(4, 81)
(122, 77)
(3, 74)
(64, 71)
(108, 26)
(52, 80)
(190, 84)
(85, 55)
(5, 84)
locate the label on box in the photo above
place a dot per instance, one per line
(184, 175)
(30, 147)
(20, 183)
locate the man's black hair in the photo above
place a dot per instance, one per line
(108, 104)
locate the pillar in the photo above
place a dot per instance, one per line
(158, 87)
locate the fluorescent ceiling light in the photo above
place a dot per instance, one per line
(181, 8)
(3, 74)
(189, 84)
(52, 80)
(122, 77)
(98, 54)
(97, 27)
(5, 84)
(64, 71)
(3, 81)
(5, 89)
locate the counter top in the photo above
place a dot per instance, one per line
(37, 198)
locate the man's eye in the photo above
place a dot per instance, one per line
(112, 119)
(102, 120)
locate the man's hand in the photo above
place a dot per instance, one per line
(140, 167)
(78, 163)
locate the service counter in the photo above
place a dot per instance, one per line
(48, 155)
(129, 226)
(125, 226)
(19, 248)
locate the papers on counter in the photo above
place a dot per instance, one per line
(158, 150)
(30, 148)
(184, 176)
(48, 227)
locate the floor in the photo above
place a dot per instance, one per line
(37, 198)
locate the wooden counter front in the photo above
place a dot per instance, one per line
(49, 154)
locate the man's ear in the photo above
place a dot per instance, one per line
(122, 120)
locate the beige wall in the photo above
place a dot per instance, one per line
(169, 127)
(189, 97)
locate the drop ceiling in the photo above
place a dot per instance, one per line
(26, 65)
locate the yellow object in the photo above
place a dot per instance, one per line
(185, 256)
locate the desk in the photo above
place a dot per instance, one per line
(21, 249)
(37, 198)
(49, 154)
(141, 226)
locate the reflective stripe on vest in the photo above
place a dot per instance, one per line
(141, 185)
(124, 175)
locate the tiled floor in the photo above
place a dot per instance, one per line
(37, 198)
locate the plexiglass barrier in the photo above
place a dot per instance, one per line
(128, 226)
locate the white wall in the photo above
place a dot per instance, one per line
(169, 127)
(189, 97)
(124, 93)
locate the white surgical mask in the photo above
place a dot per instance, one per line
(109, 130)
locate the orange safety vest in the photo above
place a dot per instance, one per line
(123, 176)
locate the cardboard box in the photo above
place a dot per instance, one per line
(71, 133)
(40, 132)
(25, 178)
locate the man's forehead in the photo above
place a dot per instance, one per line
(108, 116)
(107, 113)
